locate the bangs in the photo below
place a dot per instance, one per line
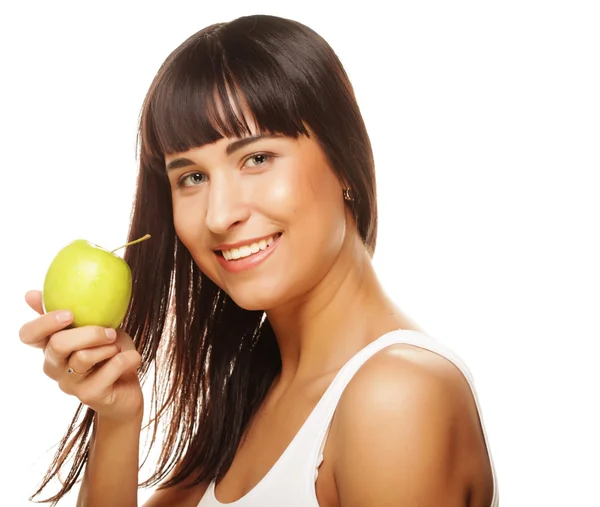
(205, 92)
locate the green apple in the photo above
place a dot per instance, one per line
(90, 281)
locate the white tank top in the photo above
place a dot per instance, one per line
(291, 480)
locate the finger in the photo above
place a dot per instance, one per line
(98, 384)
(82, 361)
(34, 299)
(37, 331)
(124, 340)
(126, 361)
(64, 343)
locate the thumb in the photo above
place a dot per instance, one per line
(124, 341)
(34, 299)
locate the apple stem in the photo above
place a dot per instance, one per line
(147, 236)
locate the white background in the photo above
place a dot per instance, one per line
(485, 121)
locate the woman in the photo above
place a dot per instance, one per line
(285, 375)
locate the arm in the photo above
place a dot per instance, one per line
(407, 433)
(111, 474)
(107, 382)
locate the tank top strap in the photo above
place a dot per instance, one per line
(313, 437)
(291, 480)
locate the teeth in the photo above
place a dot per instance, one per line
(246, 250)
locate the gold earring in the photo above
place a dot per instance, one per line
(347, 196)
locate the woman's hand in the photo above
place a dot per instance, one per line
(95, 364)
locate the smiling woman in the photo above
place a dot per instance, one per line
(267, 184)
(285, 374)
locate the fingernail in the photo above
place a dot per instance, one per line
(64, 316)
(111, 334)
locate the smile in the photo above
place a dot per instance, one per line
(250, 255)
(247, 250)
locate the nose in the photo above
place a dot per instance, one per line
(226, 206)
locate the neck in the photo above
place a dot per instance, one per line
(322, 329)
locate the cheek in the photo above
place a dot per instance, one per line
(301, 192)
(320, 201)
(188, 220)
(280, 193)
(182, 220)
(189, 226)
(317, 209)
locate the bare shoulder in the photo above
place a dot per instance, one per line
(407, 432)
(183, 495)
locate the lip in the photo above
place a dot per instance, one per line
(235, 266)
(246, 242)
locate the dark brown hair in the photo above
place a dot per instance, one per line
(214, 361)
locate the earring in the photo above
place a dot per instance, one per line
(347, 196)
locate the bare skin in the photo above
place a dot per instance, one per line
(321, 326)
(112, 390)
(325, 303)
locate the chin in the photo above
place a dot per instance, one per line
(253, 296)
(250, 304)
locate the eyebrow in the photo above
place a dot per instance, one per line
(178, 163)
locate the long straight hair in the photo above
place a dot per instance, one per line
(214, 362)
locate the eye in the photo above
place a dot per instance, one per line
(257, 160)
(191, 180)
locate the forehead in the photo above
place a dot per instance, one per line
(184, 114)
(221, 115)
(230, 109)
(249, 131)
